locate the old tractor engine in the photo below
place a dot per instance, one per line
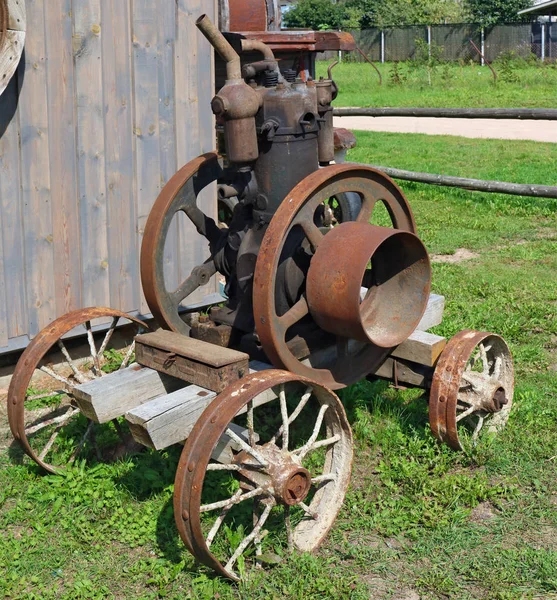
(311, 285)
(315, 285)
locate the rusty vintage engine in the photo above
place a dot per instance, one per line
(295, 295)
(315, 284)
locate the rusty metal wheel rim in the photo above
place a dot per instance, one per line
(194, 466)
(353, 361)
(473, 383)
(31, 360)
(179, 194)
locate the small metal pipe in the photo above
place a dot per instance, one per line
(258, 46)
(219, 43)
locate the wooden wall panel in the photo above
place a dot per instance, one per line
(114, 98)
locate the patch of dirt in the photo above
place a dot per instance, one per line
(545, 538)
(406, 594)
(460, 255)
(483, 513)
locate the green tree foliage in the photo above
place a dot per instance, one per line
(493, 12)
(316, 14)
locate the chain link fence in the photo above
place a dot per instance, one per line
(456, 42)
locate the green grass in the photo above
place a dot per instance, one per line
(417, 516)
(452, 85)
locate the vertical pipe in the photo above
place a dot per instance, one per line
(482, 54)
(429, 40)
(382, 46)
(543, 41)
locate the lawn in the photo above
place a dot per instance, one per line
(419, 521)
(452, 85)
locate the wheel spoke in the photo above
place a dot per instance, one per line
(224, 467)
(323, 443)
(128, 356)
(251, 429)
(366, 210)
(93, 349)
(55, 420)
(478, 428)
(108, 336)
(289, 532)
(306, 396)
(231, 501)
(497, 367)
(55, 375)
(312, 232)
(485, 362)
(295, 314)
(323, 479)
(50, 442)
(308, 510)
(252, 536)
(301, 452)
(77, 373)
(465, 414)
(234, 436)
(199, 276)
(204, 224)
(82, 442)
(220, 519)
(284, 414)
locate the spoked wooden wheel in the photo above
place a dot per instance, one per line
(296, 221)
(472, 389)
(46, 421)
(264, 471)
(179, 195)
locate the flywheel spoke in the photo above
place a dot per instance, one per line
(199, 276)
(295, 314)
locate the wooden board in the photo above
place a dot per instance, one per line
(194, 361)
(406, 372)
(113, 395)
(170, 419)
(421, 347)
(434, 313)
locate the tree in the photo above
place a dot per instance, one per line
(493, 12)
(316, 14)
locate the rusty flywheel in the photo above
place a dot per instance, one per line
(363, 329)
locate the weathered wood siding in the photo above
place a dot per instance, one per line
(110, 99)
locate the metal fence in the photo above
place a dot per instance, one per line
(452, 42)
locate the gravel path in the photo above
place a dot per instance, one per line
(538, 131)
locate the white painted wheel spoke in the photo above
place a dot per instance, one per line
(231, 501)
(128, 356)
(304, 400)
(471, 378)
(248, 539)
(321, 443)
(77, 373)
(82, 442)
(49, 395)
(50, 442)
(289, 532)
(284, 414)
(223, 467)
(93, 348)
(251, 429)
(497, 367)
(478, 428)
(56, 420)
(217, 524)
(252, 451)
(465, 414)
(308, 511)
(301, 452)
(55, 375)
(323, 479)
(108, 336)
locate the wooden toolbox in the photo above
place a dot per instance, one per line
(191, 360)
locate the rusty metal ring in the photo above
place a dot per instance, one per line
(179, 194)
(31, 359)
(474, 378)
(276, 461)
(352, 362)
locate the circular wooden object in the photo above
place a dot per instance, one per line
(12, 38)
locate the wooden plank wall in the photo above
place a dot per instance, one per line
(110, 99)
